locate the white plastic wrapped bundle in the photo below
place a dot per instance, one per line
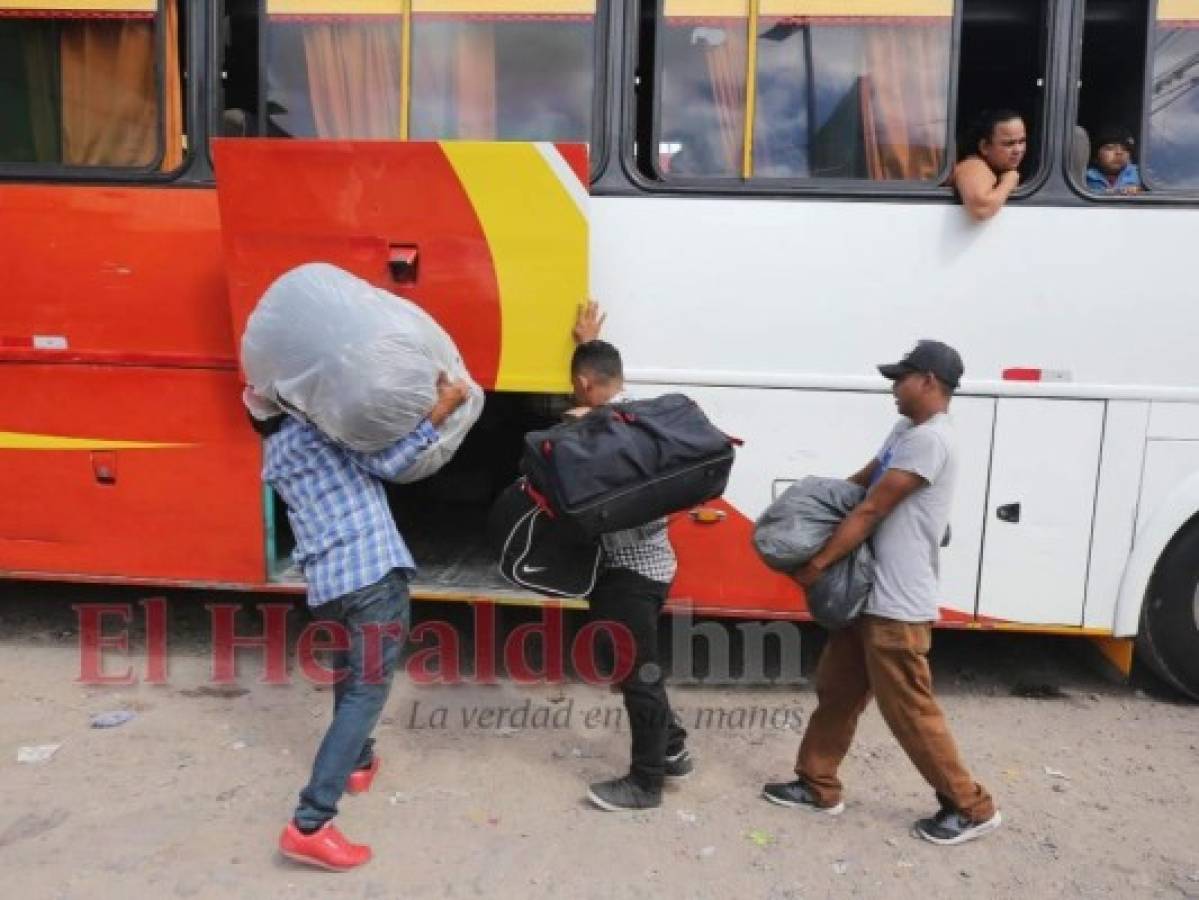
(359, 363)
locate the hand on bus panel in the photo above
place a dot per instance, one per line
(589, 321)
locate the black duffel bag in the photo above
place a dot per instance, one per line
(536, 551)
(626, 464)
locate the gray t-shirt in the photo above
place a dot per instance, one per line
(907, 543)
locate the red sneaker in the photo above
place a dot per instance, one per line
(360, 780)
(326, 847)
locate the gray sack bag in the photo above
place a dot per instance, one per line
(794, 528)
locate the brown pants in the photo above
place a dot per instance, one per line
(889, 660)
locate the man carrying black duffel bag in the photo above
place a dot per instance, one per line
(637, 568)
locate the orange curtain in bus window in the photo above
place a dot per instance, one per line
(110, 92)
(354, 78)
(172, 101)
(80, 84)
(905, 100)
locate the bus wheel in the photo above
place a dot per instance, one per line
(1169, 635)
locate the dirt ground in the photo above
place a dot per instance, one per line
(1098, 783)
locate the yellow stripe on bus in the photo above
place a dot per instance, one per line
(117, 6)
(899, 9)
(514, 7)
(537, 234)
(19, 440)
(1178, 10)
(429, 7)
(334, 8)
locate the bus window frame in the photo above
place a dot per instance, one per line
(816, 187)
(148, 174)
(1150, 195)
(597, 143)
(1050, 124)
(1151, 191)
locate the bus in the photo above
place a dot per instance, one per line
(757, 192)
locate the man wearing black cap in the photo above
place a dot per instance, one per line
(884, 652)
(1114, 172)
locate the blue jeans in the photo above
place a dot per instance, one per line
(358, 697)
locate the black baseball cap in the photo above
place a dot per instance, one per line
(928, 356)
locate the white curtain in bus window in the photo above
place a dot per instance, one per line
(1171, 160)
(333, 70)
(79, 84)
(503, 69)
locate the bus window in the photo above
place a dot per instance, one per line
(499, 76)
(1173, 98)
(840, 91)
(79, 85)
(1110, 81)
(701, 100)
(488, 71)
(1002, 65)
(334, 75)
(851, 95)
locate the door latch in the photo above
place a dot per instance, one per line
(104, 466)
(1009, 512)
(402, 260)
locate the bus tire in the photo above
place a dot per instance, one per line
(1168, 639)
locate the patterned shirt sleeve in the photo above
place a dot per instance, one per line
(390, 462)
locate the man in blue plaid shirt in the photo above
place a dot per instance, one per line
(357, 567)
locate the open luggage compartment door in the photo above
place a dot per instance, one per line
(491, 239)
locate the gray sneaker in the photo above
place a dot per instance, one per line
(680, 765)
(623, 794)
(797, 794)
(950, 827)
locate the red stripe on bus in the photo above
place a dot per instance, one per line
(25, 354)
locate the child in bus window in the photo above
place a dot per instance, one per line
(988, 172)
(1114, 172)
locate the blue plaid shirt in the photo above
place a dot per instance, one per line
(346, 537)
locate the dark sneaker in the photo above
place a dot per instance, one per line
(622, 794)
(680, 765)
(950, 827)
(796, 793)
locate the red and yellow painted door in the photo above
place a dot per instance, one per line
(490, 238)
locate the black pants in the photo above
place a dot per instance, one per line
(635, 602)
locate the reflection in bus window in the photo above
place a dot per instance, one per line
(702, 100)
(1171, 161)
(334, 77)
(82, 90)
(849, 96)
(492, 77)
(841, 99)
(482, 74)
